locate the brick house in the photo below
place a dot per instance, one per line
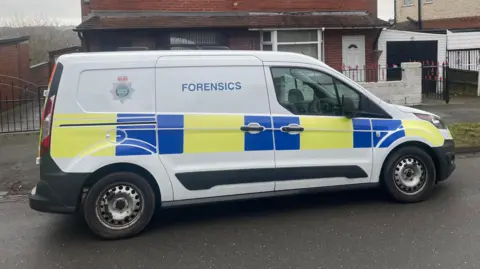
(342, 33)
(437, 15)
(14, 66)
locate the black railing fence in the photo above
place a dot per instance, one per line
(372, 73)
(21, 104)
(434, 85)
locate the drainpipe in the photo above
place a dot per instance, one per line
(395, 12)
(420, 26)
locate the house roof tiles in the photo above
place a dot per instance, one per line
(149, 20)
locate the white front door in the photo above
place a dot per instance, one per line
(353, 57)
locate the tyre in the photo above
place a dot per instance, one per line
(119, 205)
(409, 175)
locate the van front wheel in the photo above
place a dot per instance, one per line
(409, 175)
(120, 205)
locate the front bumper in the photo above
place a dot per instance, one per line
(446, 160)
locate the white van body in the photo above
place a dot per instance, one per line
(220, 125)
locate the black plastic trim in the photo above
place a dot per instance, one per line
(269, 194)
(292, 129)
(57, 191)
(108, 124)
(446, 160)
(55, 80)
(252, 128)
(205, 180)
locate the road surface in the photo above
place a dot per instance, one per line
(336, 230)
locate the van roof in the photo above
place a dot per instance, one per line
(153, 55)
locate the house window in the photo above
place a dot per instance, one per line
(428, 1)
(408, 2)
(308, 42)
(197, 40)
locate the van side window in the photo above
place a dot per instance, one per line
(308, 92)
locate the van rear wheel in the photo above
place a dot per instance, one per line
(119, 205)
(409, 175)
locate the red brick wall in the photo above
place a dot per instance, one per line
(14, 62)
(24, 61)
(333, 46)
(231, 5)
(9, 60)
(40, 74)
(452, 23)
(8, 67)
(372, 7)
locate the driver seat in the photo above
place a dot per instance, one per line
(294, 96)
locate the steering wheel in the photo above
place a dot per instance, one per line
(302, 107)
(323, 106)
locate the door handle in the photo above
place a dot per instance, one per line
(252, 127)
(292, 129)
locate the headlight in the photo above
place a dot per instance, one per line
(436, 121)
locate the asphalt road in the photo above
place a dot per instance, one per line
(359, 229)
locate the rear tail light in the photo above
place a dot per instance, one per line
(47, 114)
(46, 130)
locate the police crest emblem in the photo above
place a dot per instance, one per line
(122, 89)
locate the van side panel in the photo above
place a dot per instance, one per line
(105, 114)
(202, 104)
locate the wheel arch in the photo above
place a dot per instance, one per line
(124, 167)
(423, 146)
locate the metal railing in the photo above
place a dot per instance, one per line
(20, 108)
(373, 73)
(464, 59)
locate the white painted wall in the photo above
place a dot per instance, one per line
(408, 91)
(394, 35)
(478, 85)
(467, 40)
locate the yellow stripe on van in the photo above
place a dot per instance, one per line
(84, 118)
(326, 133)
(69, 142)
(423, 129)
(213, 133)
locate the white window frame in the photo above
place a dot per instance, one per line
(410, 3)
(274, 42)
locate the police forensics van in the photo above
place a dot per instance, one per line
(138, 130)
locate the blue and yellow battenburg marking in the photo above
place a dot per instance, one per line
(179, 134)
(146, 134)
(136, 139)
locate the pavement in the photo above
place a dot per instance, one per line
(18, 171)
(361, 229)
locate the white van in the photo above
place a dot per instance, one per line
(139, 130)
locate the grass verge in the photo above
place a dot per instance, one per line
(466, 134)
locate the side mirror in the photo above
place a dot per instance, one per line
(348, 107)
